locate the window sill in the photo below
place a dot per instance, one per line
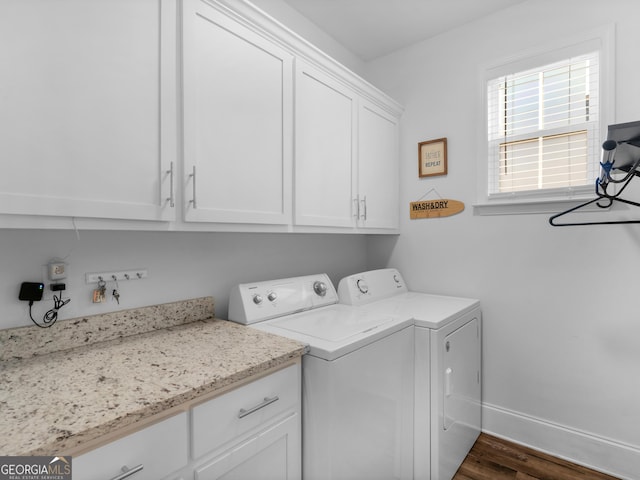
(531, 206)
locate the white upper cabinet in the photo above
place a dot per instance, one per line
(88, 120)
(326, 111)
(378, 168)
(112, 119)
(346, 156)
(238, 120)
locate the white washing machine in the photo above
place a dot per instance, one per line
(357, 397)
(447, 365)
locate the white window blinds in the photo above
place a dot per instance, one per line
(544, 127)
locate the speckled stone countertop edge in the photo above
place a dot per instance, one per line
(96, 390)
(71, 445)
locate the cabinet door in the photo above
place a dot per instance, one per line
(378, 168)
(324, 150)
(88, 108)
(273, 454)
(155, 451)
(238, 114)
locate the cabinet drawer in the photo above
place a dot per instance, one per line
(272, 454)
(160, 449)
(224, 418)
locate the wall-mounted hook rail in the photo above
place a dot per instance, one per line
(121, 275)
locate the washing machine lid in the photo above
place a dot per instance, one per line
(426, 310)
(333, 331)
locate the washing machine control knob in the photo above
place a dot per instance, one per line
(362, 286)
(320, 288)
(257, 299)
(272, 296)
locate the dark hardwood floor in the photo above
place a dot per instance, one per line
(494, 459)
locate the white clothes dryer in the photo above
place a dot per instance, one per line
(357, 395)
(447, 398)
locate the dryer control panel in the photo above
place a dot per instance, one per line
(365, 287)
(255, 302)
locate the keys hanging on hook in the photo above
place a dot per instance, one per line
(99, 295)
(115, 294)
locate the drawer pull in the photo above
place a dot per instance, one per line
(127, 472)
(267, 401)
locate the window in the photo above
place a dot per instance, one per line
(546, 115)
(544, 126)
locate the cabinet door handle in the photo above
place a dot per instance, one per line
(364, 208)
(127, 472)
(267, 401)
(356, 208)
(171, 199)
(193, 178)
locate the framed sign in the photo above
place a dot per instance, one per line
(432, 158)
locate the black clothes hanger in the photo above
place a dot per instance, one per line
(603, 198)
(609, 201)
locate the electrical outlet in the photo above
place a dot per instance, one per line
(57, 271)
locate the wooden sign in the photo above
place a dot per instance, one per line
(442, 207)
(432, 158)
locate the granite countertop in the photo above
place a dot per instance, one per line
(54, 403)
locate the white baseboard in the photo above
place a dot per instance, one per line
(599, 453)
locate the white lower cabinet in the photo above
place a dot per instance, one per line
(265, 455)
(160, 449)
(251, 432)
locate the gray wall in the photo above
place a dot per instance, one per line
(561, 319)
(180, 265)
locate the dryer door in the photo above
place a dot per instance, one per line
(461, 403)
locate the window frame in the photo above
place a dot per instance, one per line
(545, 200)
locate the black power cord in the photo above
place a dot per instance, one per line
(51, 316)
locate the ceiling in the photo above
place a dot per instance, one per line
(373, 28)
